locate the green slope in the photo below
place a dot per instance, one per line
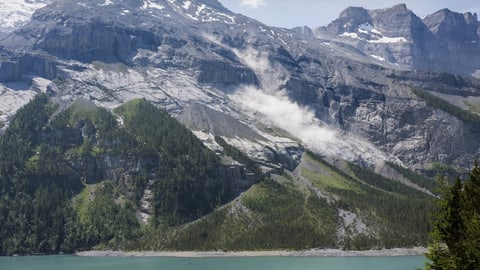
(318, 206)
(395, 214)
(277, 213)
(76, 179)
(73, 179)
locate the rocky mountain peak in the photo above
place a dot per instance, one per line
(398, 21)
(349, 20)
(439, 42)
(304, 30)
(354, 12)
(137, 13)
(400, 8)
(470, 17)
(447, 24)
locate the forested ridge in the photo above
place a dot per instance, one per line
(49, 158)
(75, 179)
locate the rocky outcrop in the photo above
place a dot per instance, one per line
(202, 118)
(356, 78)
(18, 68)
(457, 40)
(220, 72)
(438, 42)
(97, 41)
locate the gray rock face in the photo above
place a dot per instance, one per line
(439, 42)
(304, 30)
(457, 40)
(15, 68)
(201, 118)
(222, 72)
(349, 20)
(355, 76)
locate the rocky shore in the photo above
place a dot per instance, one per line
(417, 251)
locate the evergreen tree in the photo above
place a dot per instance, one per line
(456, 235)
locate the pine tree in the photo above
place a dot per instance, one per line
(456, 234)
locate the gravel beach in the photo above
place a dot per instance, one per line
(417, 251)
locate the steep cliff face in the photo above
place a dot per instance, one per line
(296, 110)
(439, 42)
(457, 36)
(17, 68)
(208, 55)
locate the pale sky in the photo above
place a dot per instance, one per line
(313, 13)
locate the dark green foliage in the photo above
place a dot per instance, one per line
(37, 185)
(47, 158)
(378, 181)
(34, 223)
(443, 105)
(456, 234)
(106, 221)
(400, 213)
(19, 140)
(404, 211)
(422, 181)
(273, 214)
(190, 184)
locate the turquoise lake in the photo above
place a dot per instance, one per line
(68, 262)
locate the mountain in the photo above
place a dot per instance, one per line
(318, 118)
(14, 14)
(95, 172)
(217, 58)
(445, 41)
(83, 177)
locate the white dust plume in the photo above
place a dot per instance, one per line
(272, 104)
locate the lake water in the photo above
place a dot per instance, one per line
(68, 262)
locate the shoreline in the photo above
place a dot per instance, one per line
(416, 251)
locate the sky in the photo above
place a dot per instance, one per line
(313, 13)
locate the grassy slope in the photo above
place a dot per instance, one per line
(396, 215)
(284, 212)
(273, 214)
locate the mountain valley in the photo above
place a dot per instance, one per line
(180, 125)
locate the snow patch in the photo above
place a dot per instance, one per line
(186, 5)
(368, 28)
(106, 3)
(372, 35)
(202, 13)
(200, 9)
(378, 57)
(389, 40)
(15, 13)
(350, 35)
(147, 4)
(381, 39)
